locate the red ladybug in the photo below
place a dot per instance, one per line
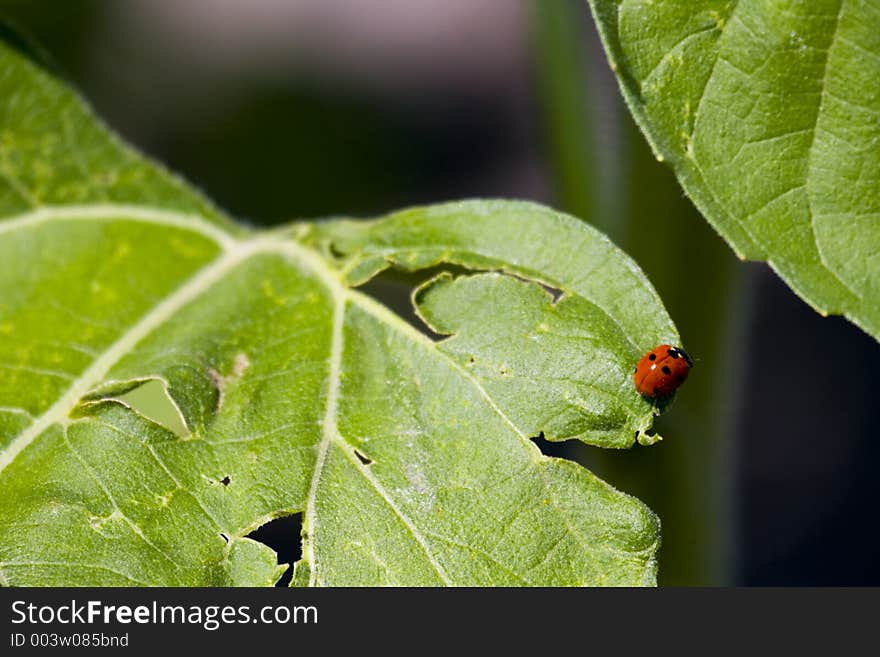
(661, 371)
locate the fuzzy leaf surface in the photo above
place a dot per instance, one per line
(769, 113)
(283, 388)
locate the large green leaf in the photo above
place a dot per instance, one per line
(283, 388)
(770, 114)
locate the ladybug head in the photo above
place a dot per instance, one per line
(679, 352)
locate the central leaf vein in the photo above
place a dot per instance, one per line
(235, 253)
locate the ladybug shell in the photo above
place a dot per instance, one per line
(661, 371)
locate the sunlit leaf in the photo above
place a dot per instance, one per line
(769, 113)
(279, 387)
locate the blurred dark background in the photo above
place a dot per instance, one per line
(284, 109)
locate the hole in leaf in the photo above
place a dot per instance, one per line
(335, 251)
(393, 288)
(554, 292)
(226, 480)
(283, 536)
(566, 449)
(363, 459)
(152, 400)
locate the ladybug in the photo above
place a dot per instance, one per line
(661, 371)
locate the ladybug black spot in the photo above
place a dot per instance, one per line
(652, 357)
(666, 370)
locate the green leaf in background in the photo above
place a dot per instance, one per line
(770, 114)
(282, 388)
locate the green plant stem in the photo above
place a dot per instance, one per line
(565, 84)
(688, 478)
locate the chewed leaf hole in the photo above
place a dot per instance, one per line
(400, 291)
(153, 401)
(393, 291)
(363, 459)
(554, 292)
(283, 536)
(150, 399)
(571, 450)
(224, 481)
(334, 250)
